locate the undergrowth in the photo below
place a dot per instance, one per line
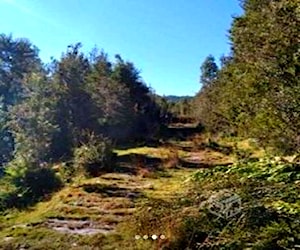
(269, 216)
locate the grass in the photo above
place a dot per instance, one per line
(64, 205)
(170, 201)
(162, 152)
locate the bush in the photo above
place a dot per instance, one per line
(65, 170)
(29, 182)
(40, 182)
(8, 194)
(94, 156)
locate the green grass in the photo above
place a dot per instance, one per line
(174, 204)
(31, 233)
(161, 152)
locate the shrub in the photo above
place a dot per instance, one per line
(40, 182)
(29, 183)
(8, 194)
(94, 156)
(65, 170)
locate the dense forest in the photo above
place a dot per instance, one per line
(73, 129)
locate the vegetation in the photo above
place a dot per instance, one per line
(256, 92)
(93, 157)
(90, 158)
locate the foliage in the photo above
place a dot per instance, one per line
(46, 114)
(112, 103)
(6, 142)
(146, 112)
(18, 58)
(269, 218)
(26, 183)
(94, 156)
(209, 71)
(256, 93)
(74, 108)
(32, 121)
(268, 169)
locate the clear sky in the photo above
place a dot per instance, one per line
(166, 39)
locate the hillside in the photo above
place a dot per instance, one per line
(165, 191)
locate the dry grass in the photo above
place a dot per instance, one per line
(172, 161)
(161, 152)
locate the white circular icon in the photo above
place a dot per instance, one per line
(154, 237)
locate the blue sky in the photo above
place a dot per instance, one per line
(166, 39)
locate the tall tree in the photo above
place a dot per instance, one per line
(18, 60)
(112, 102)
(146, 111)
(209, 71)
(257, 93)
(74, 103)
(32, 121)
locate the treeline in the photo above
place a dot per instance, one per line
(46, 111)
(256, 92)
(176, 107)
(74, 109)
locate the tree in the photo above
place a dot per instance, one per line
(32, 121)
(209, 71)
(113, 107)
(74, 103)
(18, 59)
(146, 111)
(269, 53)
(256, 94)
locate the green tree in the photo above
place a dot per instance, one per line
(32, 121)
(146, 111)
(256, 93)
(113, 108)
(266, 44)
(74, 103)
(18, 59)
(209, 71)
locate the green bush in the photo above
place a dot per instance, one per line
(40, 182)
(29, 182)
(94, 156)
(267, 169)
(8, 193)
(269, 218)
(66, 171)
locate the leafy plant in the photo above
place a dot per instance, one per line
(28, 182)
(94, 156)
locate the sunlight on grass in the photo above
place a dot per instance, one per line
(161, 152)
(40, 211)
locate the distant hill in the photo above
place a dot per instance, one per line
(174, 98)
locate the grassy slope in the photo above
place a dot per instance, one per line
(169, 202)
